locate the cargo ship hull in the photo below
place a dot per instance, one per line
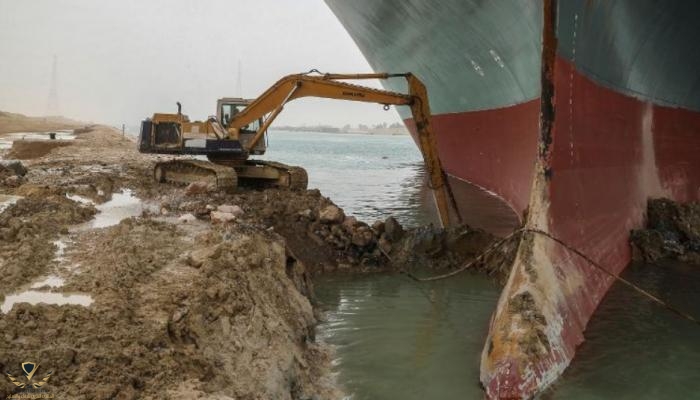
(576, 111)
(483, 98)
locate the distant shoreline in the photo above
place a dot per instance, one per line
(14, 122)
(331, 130)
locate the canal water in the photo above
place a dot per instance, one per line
(369, 176)
(396, 339)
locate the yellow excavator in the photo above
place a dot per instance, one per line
(240, 126)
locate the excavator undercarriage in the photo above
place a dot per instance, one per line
(226, 177)
(184, 172)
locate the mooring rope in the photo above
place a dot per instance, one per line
(496, 245)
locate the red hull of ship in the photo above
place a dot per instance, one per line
(490, 171)
(610, 153)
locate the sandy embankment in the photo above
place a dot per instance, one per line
(12, 122)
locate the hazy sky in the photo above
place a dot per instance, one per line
(120, 61)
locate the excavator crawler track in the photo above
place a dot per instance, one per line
(291, 177)
(298, 178)
(184, 172)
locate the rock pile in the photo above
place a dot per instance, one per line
(324, 238)
(360, 243)
(301, 217)
(672, 232)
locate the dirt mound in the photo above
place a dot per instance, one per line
(673, 232)
(429, 250)
(292, 214)
(28, 149)
(27, 229)
(175, 315)
(12, 173)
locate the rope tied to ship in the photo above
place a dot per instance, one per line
(499, 243)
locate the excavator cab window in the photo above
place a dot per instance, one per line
(229, 111)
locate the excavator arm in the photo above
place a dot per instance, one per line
(333, 86)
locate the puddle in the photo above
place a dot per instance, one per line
(7, 139)
(7, 200)
(80, 199)
(35, 297)
(61, 245)
(122, 205)
(51, 281)
(98, 169)
(55, 281)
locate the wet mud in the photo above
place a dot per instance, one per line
(27, 230)
(176, 313)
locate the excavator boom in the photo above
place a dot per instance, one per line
(303, 85)
(333, 86)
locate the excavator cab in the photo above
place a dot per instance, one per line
(176, 134)
(227, 108)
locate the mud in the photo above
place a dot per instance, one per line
(672, 232)
(28, 149)
(439, 250)
(320, 235)
(185, 303)
(27, 230)
(169, 321)
(179, 310)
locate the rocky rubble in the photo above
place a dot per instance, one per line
(672, 232)
(325, 239)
